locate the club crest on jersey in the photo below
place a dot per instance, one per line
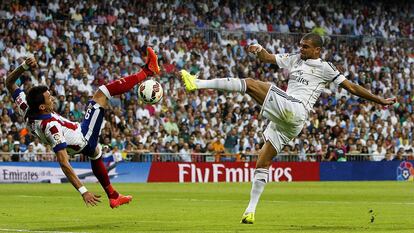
(55, 134)
(56, 137)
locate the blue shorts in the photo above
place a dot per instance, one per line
(91, 126)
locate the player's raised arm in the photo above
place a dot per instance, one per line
(364, 93)
(261, 53)
(335, 74)
(88, 197)
(29, 63)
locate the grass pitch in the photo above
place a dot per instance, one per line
(212, 207)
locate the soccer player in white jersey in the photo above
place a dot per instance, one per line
(287, 111)
(69, 138)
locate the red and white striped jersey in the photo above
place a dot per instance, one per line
(52, 129)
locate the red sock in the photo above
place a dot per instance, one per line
(99, 170)
(147, 71)
(111, 192)
(125, 84)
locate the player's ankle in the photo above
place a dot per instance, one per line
(147, 71)
(113, 195)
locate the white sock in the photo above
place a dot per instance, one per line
(227, 84)
(258, 184)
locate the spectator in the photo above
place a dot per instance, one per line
(117, 155)
(330, 154)
(388, 156)
(37, 146)
(170, 125)
(185, 153)
(15, 153)
(303, 152)
(399, 156)
(231, 141)
(5, 153)
(30, 154)
(340, 154)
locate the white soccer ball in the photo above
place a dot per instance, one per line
(150, 91)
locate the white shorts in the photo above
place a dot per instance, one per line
(287, 116)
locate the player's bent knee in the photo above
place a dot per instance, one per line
(257, 89)
(101, 97)
(98, 153)
(249, 82)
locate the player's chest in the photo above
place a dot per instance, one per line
(300, 68)
(305, 74)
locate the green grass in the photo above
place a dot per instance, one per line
(213, 207)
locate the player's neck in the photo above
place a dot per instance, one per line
(45, 112)
(313, 58)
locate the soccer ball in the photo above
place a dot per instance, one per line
(150, 91)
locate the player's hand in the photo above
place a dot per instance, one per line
(254, 48)
(31, 62)
(389, 101)
(91, 199)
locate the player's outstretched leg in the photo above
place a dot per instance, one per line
(125, 84)
(99, 170)
(191, 83)
(255, 88)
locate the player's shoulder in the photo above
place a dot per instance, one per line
(288, 55)
(47, 120)
(328, 65)
(294, 55)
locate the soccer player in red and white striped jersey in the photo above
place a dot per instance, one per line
(69, 138)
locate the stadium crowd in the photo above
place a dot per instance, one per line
(81, 45)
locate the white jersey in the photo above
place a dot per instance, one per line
(307, 78)
(52, 129)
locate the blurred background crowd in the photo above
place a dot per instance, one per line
(80, 45)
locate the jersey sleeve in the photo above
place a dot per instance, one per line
(285, 60)
(19, 98)
(331, 74)
(53, 132)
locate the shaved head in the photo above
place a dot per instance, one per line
(315, 38)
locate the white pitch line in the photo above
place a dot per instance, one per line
(299, 201)
(39, 196)
(272, 201)
(25, 230)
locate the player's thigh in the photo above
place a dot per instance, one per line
(287, 114)
(257, 89)
(91, 126)
(266, 154)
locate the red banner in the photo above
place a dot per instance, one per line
(230, 172)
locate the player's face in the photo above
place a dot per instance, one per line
(49, 102)
(308, 50)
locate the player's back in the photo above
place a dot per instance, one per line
(58, 132)
(52, 129)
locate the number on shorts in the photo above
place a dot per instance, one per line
(88, 113)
